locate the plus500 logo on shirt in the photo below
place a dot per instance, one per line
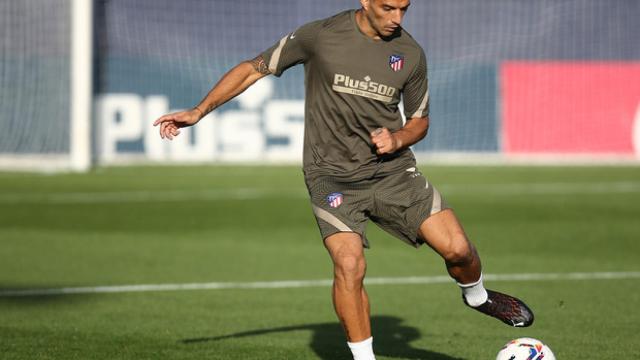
(365, 88)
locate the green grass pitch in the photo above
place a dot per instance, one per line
(177, 225)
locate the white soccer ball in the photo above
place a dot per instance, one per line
(525, 349)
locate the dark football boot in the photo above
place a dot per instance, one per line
(509, 310)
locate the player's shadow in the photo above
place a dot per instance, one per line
(30, 296)
(392, 339)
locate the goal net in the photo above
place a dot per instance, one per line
(44, 84)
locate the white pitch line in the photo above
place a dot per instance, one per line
(291, 284)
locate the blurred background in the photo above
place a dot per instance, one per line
(108, 253)
(526, 81)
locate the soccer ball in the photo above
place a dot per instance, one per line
(525, 349)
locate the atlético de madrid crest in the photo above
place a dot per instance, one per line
(334, 199)
(396, 62)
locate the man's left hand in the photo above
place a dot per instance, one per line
(384, 141)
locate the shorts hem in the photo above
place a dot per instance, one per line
(363, 238)
(418, 240)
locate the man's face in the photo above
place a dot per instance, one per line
(385, 16)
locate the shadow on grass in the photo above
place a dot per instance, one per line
(392, 339)
(32, 296)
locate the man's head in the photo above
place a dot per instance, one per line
(384, 16)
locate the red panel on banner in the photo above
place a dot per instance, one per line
(560, 107)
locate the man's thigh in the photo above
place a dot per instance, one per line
(443, 232)
(344, 245)
(402, 203)
(339, 206)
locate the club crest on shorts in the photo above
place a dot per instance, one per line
(334, 199)
(396, 62)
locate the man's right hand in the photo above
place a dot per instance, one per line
(170, 123)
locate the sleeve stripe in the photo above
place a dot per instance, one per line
(422, 107)
(275, 57)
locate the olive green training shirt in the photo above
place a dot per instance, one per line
(353, 85)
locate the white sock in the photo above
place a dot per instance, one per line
(362, 350)
(474, 293)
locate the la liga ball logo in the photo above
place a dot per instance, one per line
(525, 349)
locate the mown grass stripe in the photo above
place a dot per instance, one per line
(141, 196)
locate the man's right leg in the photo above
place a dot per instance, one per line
(350, 299)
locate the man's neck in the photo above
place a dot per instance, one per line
(365, 26)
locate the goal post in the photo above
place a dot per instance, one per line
(81, 84)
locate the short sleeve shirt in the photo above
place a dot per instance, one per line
(353, 85)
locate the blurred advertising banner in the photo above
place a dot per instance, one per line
(505, 77)
(254, 126)
(570, 108)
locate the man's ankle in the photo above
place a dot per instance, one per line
(362, 350)
(474, 293)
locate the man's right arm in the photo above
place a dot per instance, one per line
(232, 84)
(294, 48)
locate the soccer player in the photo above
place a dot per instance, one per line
(356, 160)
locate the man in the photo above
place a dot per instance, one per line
(357, 162)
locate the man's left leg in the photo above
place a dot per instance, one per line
(442, 232)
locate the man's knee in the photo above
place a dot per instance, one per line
(349, 270)
(348, 259)
(460, 251)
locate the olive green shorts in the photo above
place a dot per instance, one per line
(398, 203)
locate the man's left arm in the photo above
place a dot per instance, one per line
(416, 107)
(387, 142)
